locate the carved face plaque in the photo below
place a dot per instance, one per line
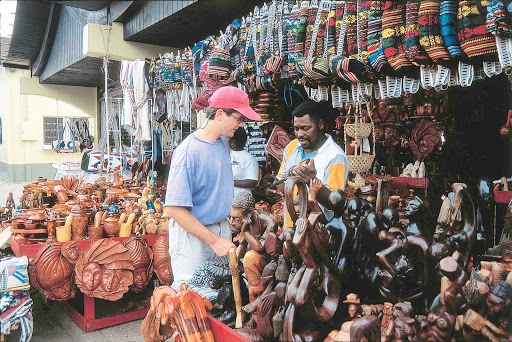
(52, 270)
(162, 260)
(142, 258)
(92, 276)
(104, 270)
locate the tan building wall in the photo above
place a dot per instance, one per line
(24, 103)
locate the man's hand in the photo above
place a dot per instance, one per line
(222, 246)
(306, 172)
(274, 195)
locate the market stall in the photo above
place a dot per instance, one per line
(414, 245)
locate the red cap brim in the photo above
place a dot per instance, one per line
(248, 112)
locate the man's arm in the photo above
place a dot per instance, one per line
(191, 225)
(246, 183)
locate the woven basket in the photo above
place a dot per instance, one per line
(359, 130)
(360, 164)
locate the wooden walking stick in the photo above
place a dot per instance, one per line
(235, 277)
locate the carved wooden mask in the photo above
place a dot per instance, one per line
(142, 258)
(52, 270)
(104, 270)
(162, 260)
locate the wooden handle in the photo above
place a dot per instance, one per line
(233, 262)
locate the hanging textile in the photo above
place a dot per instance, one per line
(126, 80)
(376, 54)
(300, 36)
(393, 35)
(142, 94)
(430, 31)
(413, 50)
(448, 22)
(475, 41)
(499, 18)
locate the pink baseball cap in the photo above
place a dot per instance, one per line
(233, 98)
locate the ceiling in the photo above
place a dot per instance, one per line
(194, 22)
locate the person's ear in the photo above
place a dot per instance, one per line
(218, 114)
(321, 124)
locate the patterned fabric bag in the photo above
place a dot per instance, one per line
(499, 18)
(448, 22)
(413, 50)
(475, 41)
(430, 31)
(375, 48)
(300, 36)
(393, 37)
(161, 105)
(220, 63)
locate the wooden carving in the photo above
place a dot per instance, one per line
(277, 142)
(424, 137)
(162, 260)
(52, 270)
(142, 258)
(104, 270)
(456, 224)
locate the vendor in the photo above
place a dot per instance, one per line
(312, 154)
(244, 165)
(200, 187)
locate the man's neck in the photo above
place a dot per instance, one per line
(209, 133)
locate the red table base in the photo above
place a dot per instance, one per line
(88, 322)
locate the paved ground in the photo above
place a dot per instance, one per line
(51, 324)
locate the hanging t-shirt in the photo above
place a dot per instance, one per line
(244, 166)
(201, 179)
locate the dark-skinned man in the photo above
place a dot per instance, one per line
(313, 154)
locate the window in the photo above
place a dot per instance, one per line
(51, 129)
(55, 128)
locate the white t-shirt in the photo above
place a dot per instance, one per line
(244, 166)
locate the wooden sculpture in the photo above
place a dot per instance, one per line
(415, 212)
(363, 323)
(52, 271)
(162, 260)
(404, 266)
(403, 326)
(498, 306)
(104, 270)
(456, 225)
(441, 318)
(424, 137)
(186, 311)
(142, 258)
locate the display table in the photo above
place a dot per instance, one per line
(86, 321)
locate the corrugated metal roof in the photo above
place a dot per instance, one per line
(183, 26)
(28, 32)
(89, 5)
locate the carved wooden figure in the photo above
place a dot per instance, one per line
(415, 212)
(162, 260)
(52, 270)
(442, 315)
(456, 225)
(404, 270)
(142, 258)
(104, 270)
